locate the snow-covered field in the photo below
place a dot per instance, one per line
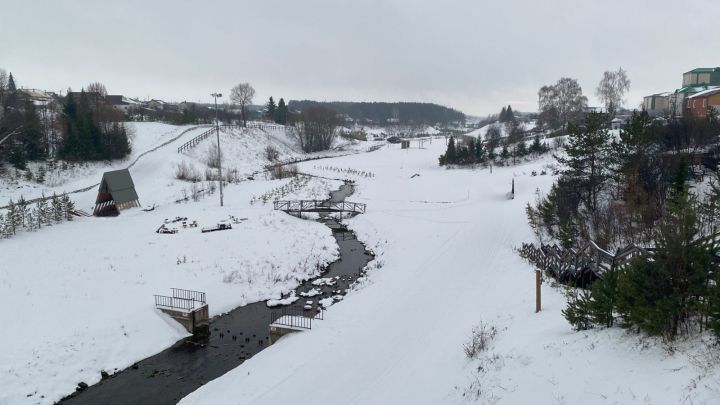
(78, 296)
(445, 262)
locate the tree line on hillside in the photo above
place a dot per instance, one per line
(81, 127)
(22, 215)
(470, 151)
(380, 113)
(635, 189)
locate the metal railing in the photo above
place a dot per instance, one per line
(295, 318)
(252, 124)
(181, 299)
(319, 206)
(198, 296)
(174, 302)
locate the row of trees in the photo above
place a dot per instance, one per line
(633, 190)
(22, 215)
(84, 127)
(563, 103)
(383, 113)
(278, 113)
(473, 151)
(23, 137)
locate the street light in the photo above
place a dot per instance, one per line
(217, 132)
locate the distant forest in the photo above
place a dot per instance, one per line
(386, 113)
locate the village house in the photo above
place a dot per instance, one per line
(657, 105)
(121, 102)
(700, 104)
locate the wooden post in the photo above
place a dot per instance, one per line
(538, 283)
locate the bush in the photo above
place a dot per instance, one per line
(272, 154)
(185, 171)
(284, 171)
(480, 339)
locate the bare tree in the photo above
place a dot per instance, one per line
(97, 88)
(612, 88)
(242, 95)
(315, 129)
(562, 102)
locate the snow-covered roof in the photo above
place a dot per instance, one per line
(705, 93)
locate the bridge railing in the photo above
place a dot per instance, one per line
(295, 317)
(319, 206)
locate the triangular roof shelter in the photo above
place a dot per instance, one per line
(116, 193)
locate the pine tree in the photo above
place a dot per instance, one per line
(520, 149)
(577, 312)
(451, 153)
(509, 115)
(42, 172)
(604, 297)
(479, 151)
(12, 219)
(503, 115)
(281, 113)
(69, 207)
(11, 88)
(22, 211)
(270, 109)
(505, 153)
(43, 212)
(57, 208)
(588, 158)
(33, 220)
(536, 147)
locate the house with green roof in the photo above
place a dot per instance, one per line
(702, 76)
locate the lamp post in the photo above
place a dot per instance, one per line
(217, 132)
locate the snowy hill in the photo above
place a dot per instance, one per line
(82, 291)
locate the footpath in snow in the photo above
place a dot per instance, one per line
(445, 262)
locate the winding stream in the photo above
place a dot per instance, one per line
(170, 375)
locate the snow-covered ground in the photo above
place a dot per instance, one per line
(78, 296)
(445, 262)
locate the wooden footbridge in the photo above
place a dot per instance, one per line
(299, 206)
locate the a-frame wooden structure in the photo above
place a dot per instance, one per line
(116, 193)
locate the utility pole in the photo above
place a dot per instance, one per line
(217, 132)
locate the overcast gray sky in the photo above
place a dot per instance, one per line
(471, 55)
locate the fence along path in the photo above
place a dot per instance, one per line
(252, 124)
(591, 261)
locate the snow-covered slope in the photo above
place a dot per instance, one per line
(80, 293)
(446, 262)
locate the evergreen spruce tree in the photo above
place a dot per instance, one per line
(33, 220)
(270, 109)
(588, 158)
(58, 211)
(42, 172)
(471, 151)
(509, 114)
(479, 151)
(503, 115)
(604, 296)
(577, 312)
(505, 153)
(12, 219)
(520, 149)
(22, 211)
(3, 234)
(451, 153)
(281, 113)
(44, 215)
(661, 294)
(11, 88)
(69, 207)
(536, 147)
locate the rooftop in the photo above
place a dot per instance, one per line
(704, 70)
